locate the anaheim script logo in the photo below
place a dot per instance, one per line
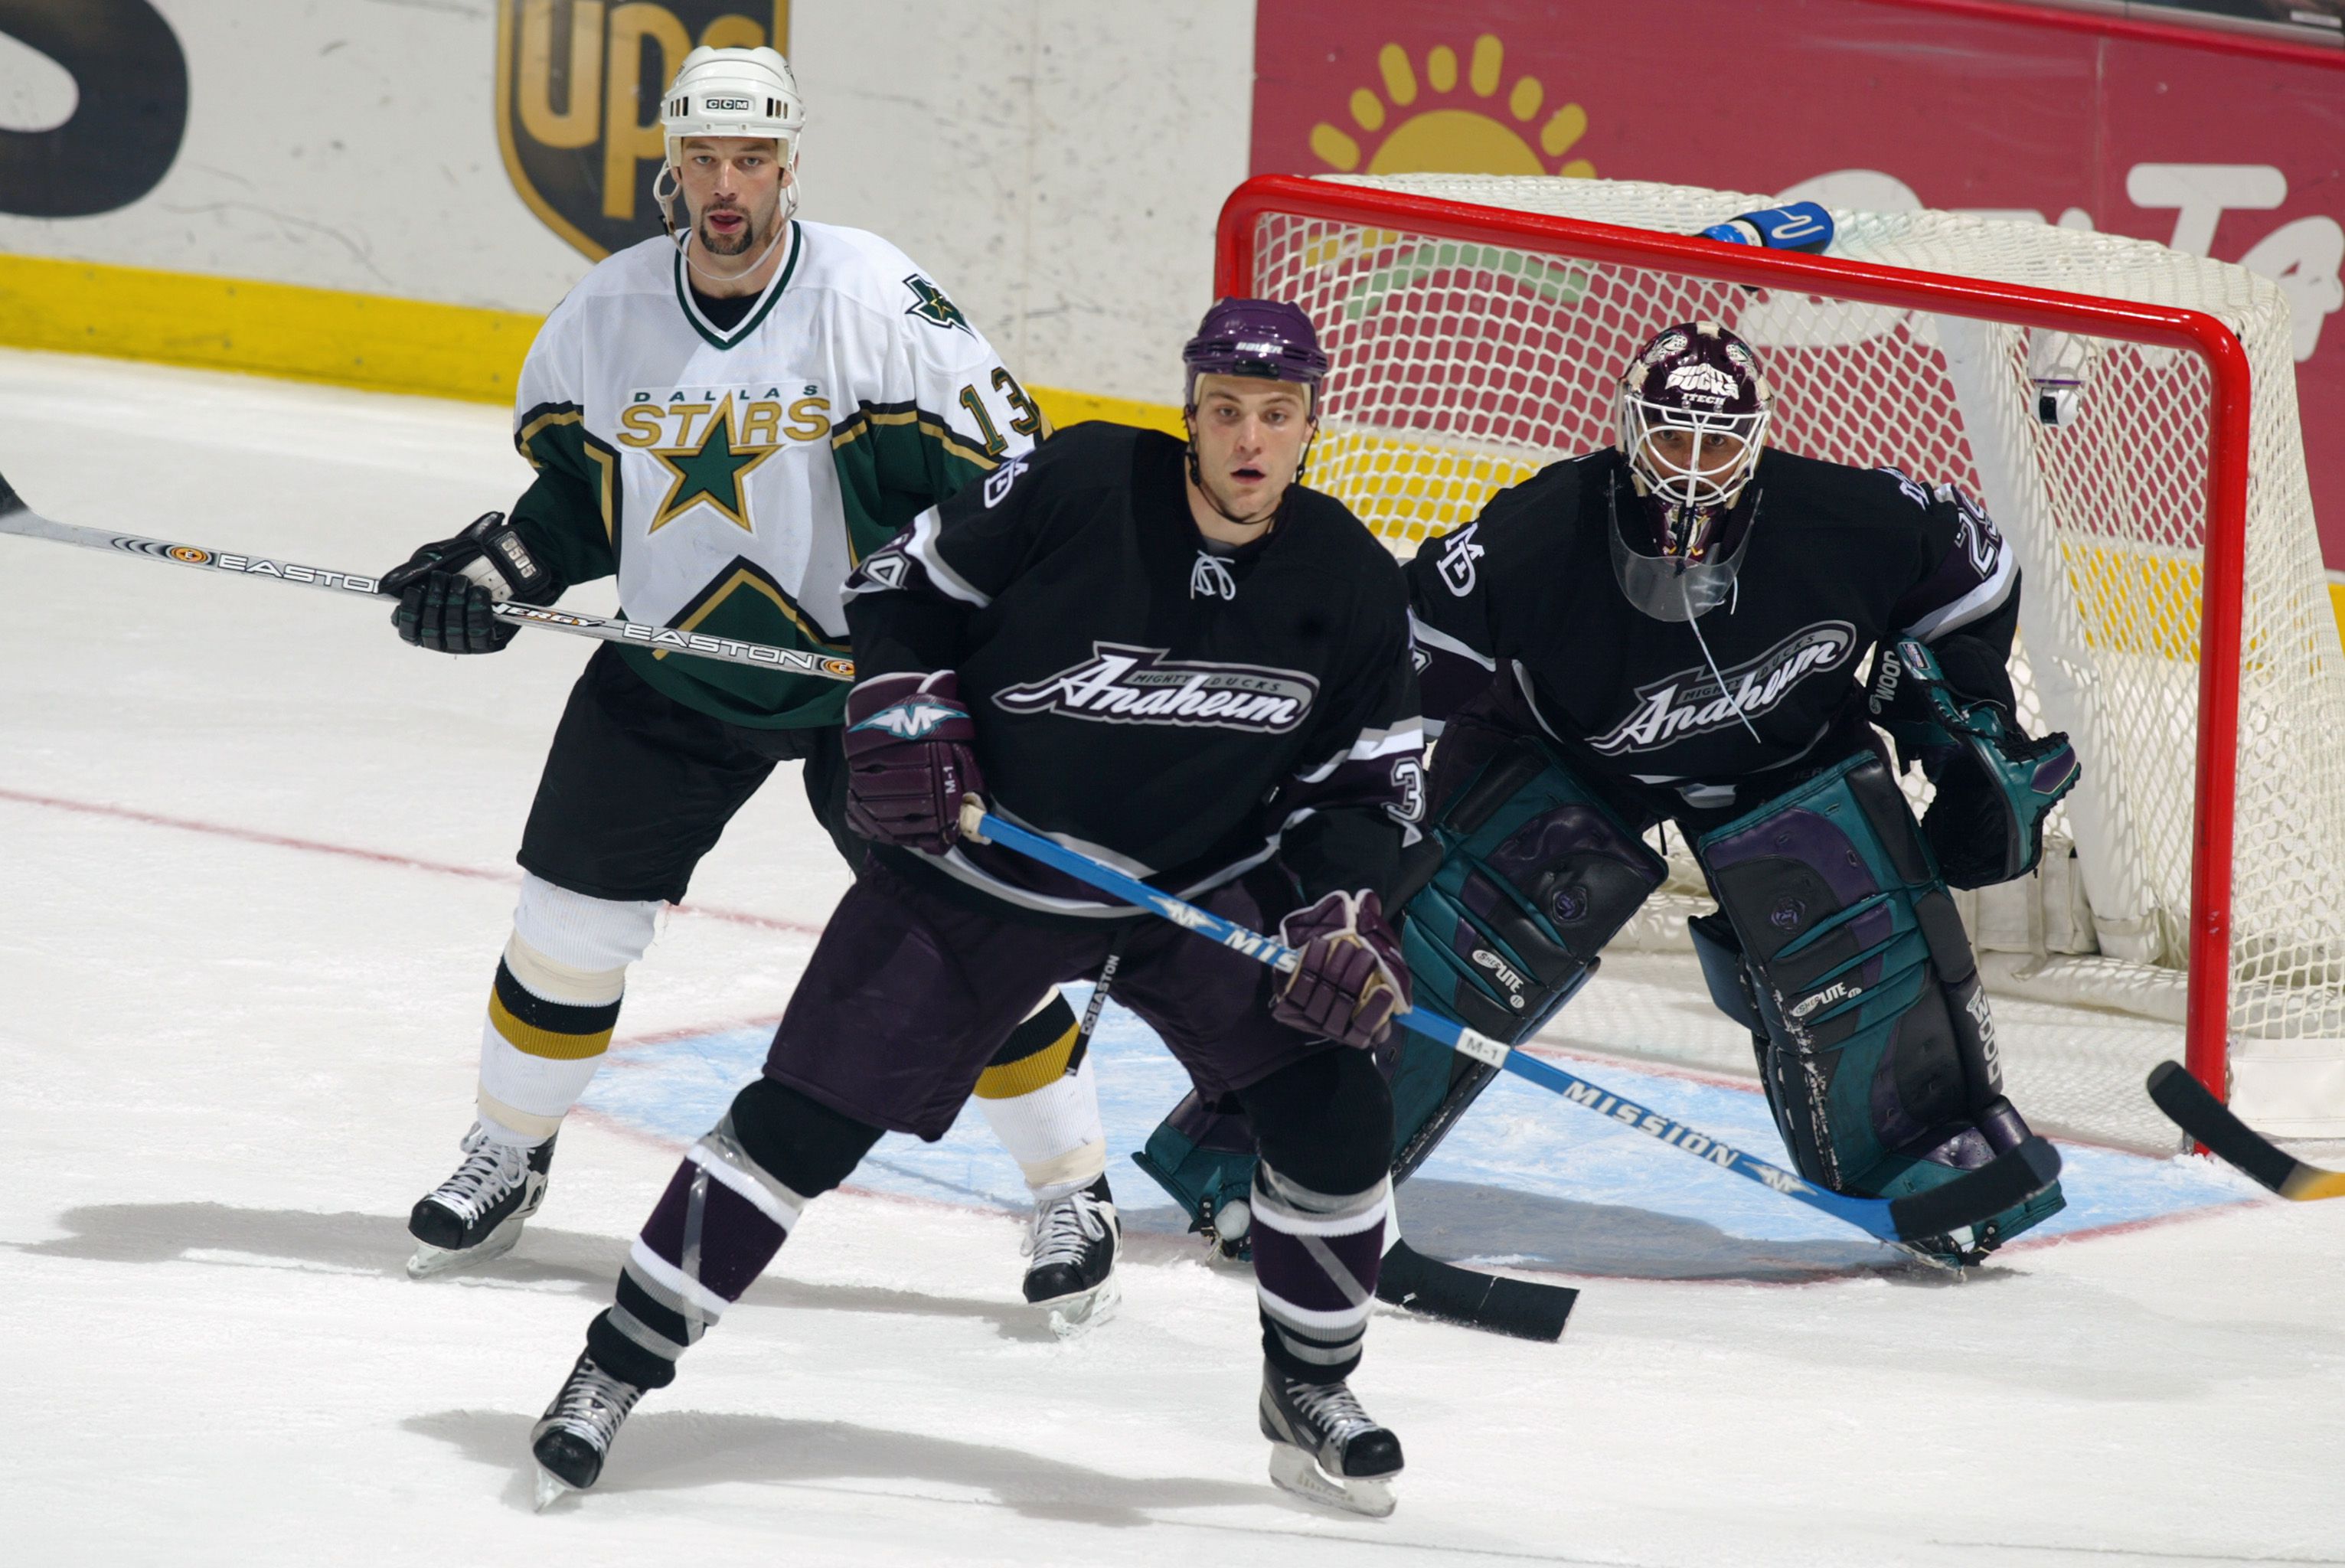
(1119, 684)
(1691, 701)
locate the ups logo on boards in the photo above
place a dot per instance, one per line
(578, 95)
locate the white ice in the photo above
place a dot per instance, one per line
(235, 1053)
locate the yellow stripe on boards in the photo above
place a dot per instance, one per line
(551, 1045)
(2135, 601)
(268, 329)
(1028, 1073)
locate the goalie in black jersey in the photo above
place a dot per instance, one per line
(1175, 658)
(1670, 629)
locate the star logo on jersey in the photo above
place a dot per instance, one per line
(929, 303)
(709, 474)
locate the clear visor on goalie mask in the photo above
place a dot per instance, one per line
(1670, 587)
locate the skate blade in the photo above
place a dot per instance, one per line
(429, 1261)
(1072, 1316)
(551, 1487)
(1292, 1469)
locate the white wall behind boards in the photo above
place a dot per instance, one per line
(1058, 164)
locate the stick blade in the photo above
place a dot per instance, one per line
(2188, 1105)
(1518, 1308)
(2011, 1177)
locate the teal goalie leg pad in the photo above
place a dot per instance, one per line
(1536, 874)
(1880, 1062)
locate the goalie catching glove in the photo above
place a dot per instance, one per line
(447, 590)
(1996, 786)
(1351, 982)
(911, 759)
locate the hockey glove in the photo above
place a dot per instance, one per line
(446, 589)
(911, 759)
(1352, 982)
(1995, 784)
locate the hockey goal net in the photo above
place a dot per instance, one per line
(2176, 620)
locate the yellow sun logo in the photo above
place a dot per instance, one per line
(1449, 138)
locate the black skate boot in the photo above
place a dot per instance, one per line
(476, 1214)
(1073, 1243)
(1323, 1447)
(572, 1439)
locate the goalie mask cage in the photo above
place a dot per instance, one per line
(2174, 620)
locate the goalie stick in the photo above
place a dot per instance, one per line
(2187, 1101)
(2010, 1178)
(16, 517)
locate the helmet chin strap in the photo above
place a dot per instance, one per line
(1197, 478)
(673, 188)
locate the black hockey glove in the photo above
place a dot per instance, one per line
(446, 589)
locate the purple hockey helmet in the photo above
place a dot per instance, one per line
(1267, 339)
(1698, 390)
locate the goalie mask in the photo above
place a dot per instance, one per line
(1693, 412)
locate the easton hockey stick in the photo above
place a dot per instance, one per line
(2187, 1101)
(2010, 1178)
(16, 517)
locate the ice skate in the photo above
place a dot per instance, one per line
(1323, 1446)
(1073, 1244)
(477, 1214)
(572, 1439)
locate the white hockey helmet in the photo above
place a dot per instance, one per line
(732, 92)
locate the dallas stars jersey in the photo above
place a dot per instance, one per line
(1140, 696)
(1838, 559)
(732, 476)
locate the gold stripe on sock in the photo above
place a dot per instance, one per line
(1010, 1080)
(532, 1041)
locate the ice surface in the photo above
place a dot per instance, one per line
(259, 869)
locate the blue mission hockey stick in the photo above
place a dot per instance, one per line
(2010, 1178)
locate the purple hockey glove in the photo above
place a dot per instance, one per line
(910, 759)
(1351, 982)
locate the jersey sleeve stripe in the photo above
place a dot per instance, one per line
(921, 547)
(1432, 637)
(1976, 605)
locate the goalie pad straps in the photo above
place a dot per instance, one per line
(1881, 1056)
(1536, 876)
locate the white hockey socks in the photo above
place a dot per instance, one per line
(554, 1003)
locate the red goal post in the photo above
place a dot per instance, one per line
(1276, 199)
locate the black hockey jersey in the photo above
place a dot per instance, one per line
(1838, 559)
(1183, 713)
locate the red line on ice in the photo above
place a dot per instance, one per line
(353, 852)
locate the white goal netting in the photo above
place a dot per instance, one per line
(1462, 366)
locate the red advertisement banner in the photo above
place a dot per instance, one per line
(2216, 145)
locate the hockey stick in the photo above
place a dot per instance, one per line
(2205, 1118)
(2012, 1177)
(16, 517)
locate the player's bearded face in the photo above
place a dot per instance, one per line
(1249, 436)
(733, 188)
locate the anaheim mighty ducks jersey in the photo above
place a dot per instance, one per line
(732, 476)
(1143, 696)
(1838, 559)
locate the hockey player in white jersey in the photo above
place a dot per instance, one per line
(728, 420)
